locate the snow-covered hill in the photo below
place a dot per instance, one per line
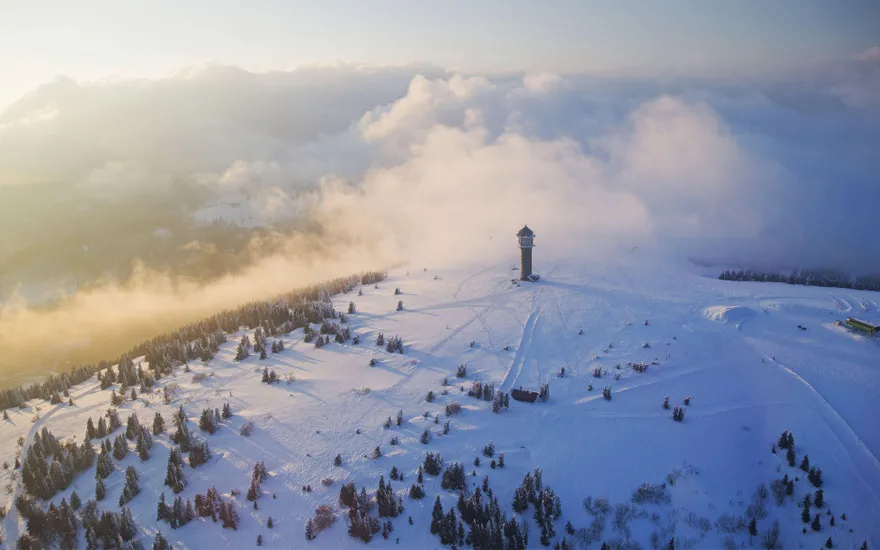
(734, 348)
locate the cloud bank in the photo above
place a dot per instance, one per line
(379, 166)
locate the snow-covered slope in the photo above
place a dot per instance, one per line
(735, 348)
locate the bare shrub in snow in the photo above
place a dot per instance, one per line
(289, 379)
(198, 377)
(652, 494)
(599, 506)
(756, 509)
(728, 523)
(770, 538)
(327, 481)
(324, 517)
(778, 487)
(623, 514)
(699, 523)
(588, 535)
(453, 408)
(246, 429)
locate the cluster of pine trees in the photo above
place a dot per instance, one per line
(209, 421)
(212, 505)
(446, 526)
(56, 526)
(259, 475)
(489, 526)
(269, 376)
(341, 334)
(544, 392)
(50, 467)
(807, 278)
(182, 436)
(548, 507)
(389, 506)
(395, 343)
(174, 477)
(454, 478)
(242, 352)
(178, 514)
(501, 401)
(362, 524)
(199, 454)
(52, 385)
(433, 464)
(132, 487)
(478, 390)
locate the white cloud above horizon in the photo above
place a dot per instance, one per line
(719, 170)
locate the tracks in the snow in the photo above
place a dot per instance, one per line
(522, 351)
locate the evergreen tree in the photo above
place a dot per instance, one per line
(127, 529)
(819, 499)
(199, 454)
(805, 463)
(753, 528)
(161, 543)
(158, 424)
(816, 525)
(163, 512)
(436, 517)
(789, 456)
(120, 448)
(805, 513)
(142, 449)
(782, 443)
(815, 477)
(100, 491)
(206, 421)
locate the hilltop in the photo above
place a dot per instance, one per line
(752, 360)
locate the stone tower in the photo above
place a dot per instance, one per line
(526, 243)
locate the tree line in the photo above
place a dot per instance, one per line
(200, 340)
(806, 278)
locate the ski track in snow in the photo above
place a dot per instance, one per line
(516, 367)
(840, 426)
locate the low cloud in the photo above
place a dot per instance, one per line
(438, 169)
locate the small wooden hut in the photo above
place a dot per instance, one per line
(524, 395)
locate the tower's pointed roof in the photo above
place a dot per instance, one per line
(525, 232)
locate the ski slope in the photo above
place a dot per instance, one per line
(735, 348)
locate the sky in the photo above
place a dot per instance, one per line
(96, 39)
